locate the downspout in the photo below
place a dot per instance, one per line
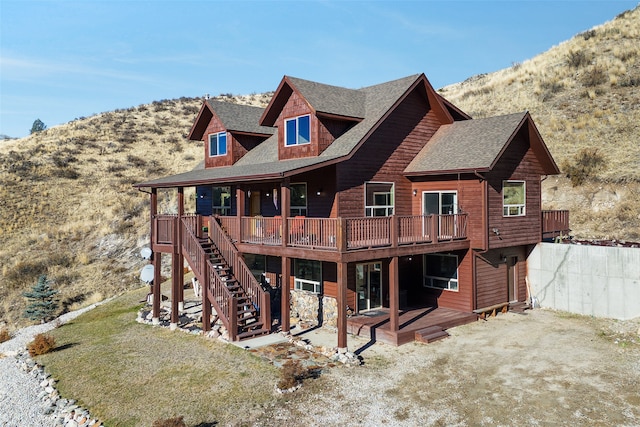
(485, 235)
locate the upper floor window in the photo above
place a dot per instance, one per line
(514, 198)
(217, 144)
(298, 204)
(297, 130)
(378, 199)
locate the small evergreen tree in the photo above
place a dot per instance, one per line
(38, 126)
(43, 301)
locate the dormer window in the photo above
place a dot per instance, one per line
(217, 144)
(297, 130)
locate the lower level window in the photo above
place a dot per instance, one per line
(441, 271)
(308, 275)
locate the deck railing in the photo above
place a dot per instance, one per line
(165, 228)
(334, 234)
(555, 223)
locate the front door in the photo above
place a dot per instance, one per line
(254, 203)
(512, 278)
(369, 285)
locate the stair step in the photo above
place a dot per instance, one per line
(252, 333)
(430, 334)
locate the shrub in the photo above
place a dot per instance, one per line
(4, 335)
(594, 76)
(577, 58)
(170, 422)
(588, 34)
(41, 344)
(584, 164)
(291, 374)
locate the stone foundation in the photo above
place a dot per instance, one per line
(306, 307)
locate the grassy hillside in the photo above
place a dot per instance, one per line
(68, 210)
(584, 95)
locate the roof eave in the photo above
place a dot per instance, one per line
(446, 172)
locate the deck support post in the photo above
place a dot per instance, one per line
(394, 294)
(176, 272)
(180, 261)
(157, 294)
(241, 199)
(285, 208)
(285, 299)
(342, 307)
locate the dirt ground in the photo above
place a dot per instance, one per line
(542, 368)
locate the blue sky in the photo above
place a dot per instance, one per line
(60, 60)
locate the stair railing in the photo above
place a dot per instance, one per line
(260, 298)
(223, 301)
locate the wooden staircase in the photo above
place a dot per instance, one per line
(247, 316)
(227, 283)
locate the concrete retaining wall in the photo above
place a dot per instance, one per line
(591, 280)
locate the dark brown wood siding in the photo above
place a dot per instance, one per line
(242, 144)
(214, 126)
(491, 276)
(385, 155)
(297, 106)
(461, 299)
(321, 181)
(518, 163)
(469, 191)
(329, 130)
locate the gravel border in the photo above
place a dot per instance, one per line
(21, 403)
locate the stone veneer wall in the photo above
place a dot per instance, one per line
(306, 307)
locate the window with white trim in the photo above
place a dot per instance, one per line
(308, 275)
(378, 198)
(217, 144)
(440, 271)
(297, 131)
(298, 199)
(514, 198)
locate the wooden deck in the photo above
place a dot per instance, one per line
(375, 324)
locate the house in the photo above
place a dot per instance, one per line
(387, 202)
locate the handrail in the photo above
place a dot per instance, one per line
(252, 288)
(222, 300)
(555, 223)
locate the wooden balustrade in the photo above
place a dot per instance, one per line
(165, 229)
(241, 272)
(326, 233)
(555, 223)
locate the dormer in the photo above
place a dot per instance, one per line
(228, 131)
(309, 116)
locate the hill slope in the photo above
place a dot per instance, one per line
(67, 208)
(584, 95)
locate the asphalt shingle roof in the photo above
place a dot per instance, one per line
(466, 145)
(262, 161)
(241, 118)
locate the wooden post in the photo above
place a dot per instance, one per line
(342, 235)
(175, 292)
(393, 231)
(285, 207)
(206, 305)
(152, 217)
(240, 209)
(394, 294)
(157, 294)
(180, 258)
(342, 307)
(285, 299)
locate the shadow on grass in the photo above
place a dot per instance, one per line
(64, 347)
(213, 424)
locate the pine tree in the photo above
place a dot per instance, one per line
(43, 301)
(38, 126)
